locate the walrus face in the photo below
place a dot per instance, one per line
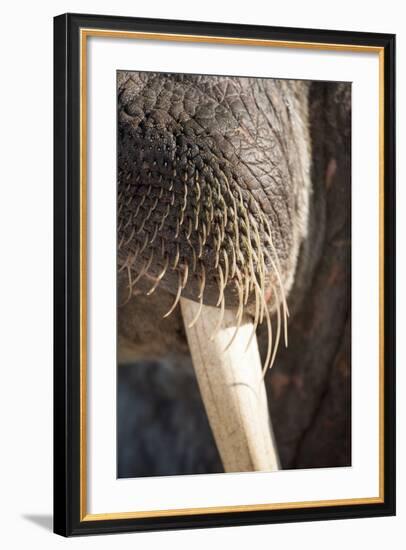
(213, 186)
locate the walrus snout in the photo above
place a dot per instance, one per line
(207, 193)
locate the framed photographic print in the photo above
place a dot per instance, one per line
(224, 274)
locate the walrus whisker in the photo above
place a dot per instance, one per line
(141, 228)
(233, 263)
(135, 255)
(159, 277)
(182, 217)
(211, 212)
(189, 232)
(250, 250)
(194, 320)
(269, 349)
(226, 267)
(166, 214)
(144, 246)
(215, 246)
(183, 207)
(278, 330)
(120, 244)
(154, 234)
(221, 286)
(175, 263)
(219, 242)
(125, 265)
(198, 189)
(257, 292)
(285, 308)
(199, 255)
(197, 213)
(238, 316)
(277, 267)
(130, 292)
(247, 287)
(144, 268)
(261, 260)
(177, 298)
(204, 231)
(139, 205)
(194, 260)
(185, 274)
(152, 208)
(247, 248)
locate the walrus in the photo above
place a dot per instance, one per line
(234, 193)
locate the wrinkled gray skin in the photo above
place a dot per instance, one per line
(250, 135)
(285, 144)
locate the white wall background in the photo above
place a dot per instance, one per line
(26, 271)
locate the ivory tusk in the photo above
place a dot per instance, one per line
(232, 389)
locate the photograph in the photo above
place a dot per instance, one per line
(233, 254)
(224, 266)
(201, 235)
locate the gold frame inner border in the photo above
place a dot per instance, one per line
(84, 35)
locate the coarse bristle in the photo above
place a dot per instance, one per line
(194, 233)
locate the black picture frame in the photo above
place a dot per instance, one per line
(67, 355)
